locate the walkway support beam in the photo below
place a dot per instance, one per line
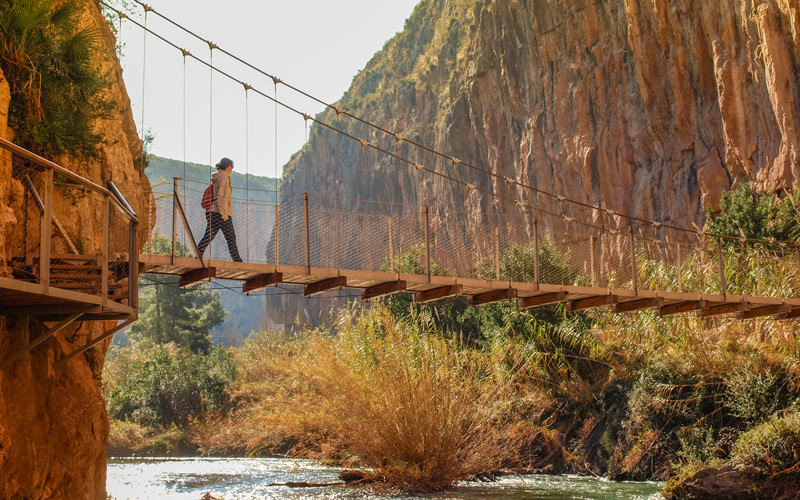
(439, 293)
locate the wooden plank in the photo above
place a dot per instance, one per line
(262, 281)
(794, 313)
(438, 293)
(383, 289)
(722, 309)
(542, 300)
(493, 296)
(764, 311)
(324, 285)
(196, 275)
(681, 307)
(636, 305)
(591, 302)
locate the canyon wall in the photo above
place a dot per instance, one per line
(650, 107)
(53, 422)
(646, 107)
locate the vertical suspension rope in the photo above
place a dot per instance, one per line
(211, 48)
(144, 68)
(185, 53)
(338, 189)
(277, 179)
(247, 170)
(305, 146)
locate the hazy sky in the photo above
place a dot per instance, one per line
(314, 45)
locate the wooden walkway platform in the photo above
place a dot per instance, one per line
(426, 289)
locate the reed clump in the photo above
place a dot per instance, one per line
(417, 410)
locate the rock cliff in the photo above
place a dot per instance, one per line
(53, 422)
(650, 107)
(646, 107)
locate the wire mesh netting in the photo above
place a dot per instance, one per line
(84, 247)
(322, 231)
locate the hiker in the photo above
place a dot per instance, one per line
(219, 215)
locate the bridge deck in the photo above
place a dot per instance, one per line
(376, 283)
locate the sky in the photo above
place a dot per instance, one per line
(317, 46)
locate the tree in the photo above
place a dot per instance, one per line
(47, 60)
(168, 313)
(744, 213)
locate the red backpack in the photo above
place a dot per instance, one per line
(208, 197)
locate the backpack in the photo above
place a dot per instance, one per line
(208, 197)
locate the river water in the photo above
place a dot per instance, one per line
(252, 478)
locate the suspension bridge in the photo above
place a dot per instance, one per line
(584, 256)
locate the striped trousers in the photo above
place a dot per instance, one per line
(214, 223)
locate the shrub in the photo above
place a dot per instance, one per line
(416, 409)
(773, 445)
(172, 387)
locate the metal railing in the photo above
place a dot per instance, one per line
(54, 254)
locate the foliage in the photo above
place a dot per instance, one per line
(410, 404)
(773, 446)
(55, 91)
(167, 385)
(747, 214)
(171, 314)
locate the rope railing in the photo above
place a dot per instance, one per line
(541, 249)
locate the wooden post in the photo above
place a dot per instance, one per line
(175, 218)
(427, 246)
(680, 269)
(45, 231)
(758, 271)
(536, 251)
(721, 269)
(308, 239)
(391, 245)
(277, 236)
(591, 260)
(497, 252)
(106, 222)
(133, 265)
(633, 261)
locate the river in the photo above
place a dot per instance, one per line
(251, 478)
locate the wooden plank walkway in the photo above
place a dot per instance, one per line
(377, 283)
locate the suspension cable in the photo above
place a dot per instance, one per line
(414, 143)
(455, 161)
(247, 170)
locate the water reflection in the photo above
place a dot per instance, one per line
(252, 478)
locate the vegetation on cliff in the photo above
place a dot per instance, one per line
(56, 91)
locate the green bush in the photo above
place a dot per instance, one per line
(773, 445)
(172, 386)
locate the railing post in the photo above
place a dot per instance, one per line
(391, 245)
(497, 252)
(721, 269)
(46, 229)
(277, 235)
(106, 222)
(591, 260)
(133, 266)
(308, 245)
(427, 246)
(175, 217)
(633, 261)
(680, 269)
(536, 252)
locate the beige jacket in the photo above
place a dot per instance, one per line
(222, 194)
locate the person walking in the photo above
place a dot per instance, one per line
(220, 215)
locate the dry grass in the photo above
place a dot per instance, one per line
(418, 411)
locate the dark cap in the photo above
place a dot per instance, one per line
(224, 163)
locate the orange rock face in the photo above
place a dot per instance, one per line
(650, 107)
(53, 422)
